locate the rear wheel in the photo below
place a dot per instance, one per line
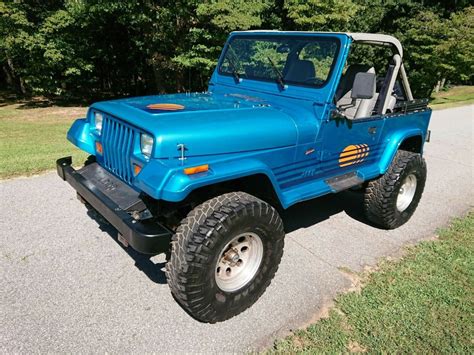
(392, 199)
(224, 255)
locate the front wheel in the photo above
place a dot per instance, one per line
(224, 255)
(391, 200)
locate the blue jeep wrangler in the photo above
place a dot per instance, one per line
(288, 116)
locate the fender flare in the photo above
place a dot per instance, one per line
(176, 185)
(394, 142)
(79, 135)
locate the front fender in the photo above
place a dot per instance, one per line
(174, 185)
(79, 135)
(394, 142)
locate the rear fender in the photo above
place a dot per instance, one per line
(394, 143)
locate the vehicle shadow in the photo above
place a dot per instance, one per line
(144, 263)
(311, 212)
(301, 215)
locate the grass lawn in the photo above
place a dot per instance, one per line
(423, 303)
(31, 139)
(455, 96)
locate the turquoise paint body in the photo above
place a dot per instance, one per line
(247, 128)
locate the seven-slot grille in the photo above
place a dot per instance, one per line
(117, 142)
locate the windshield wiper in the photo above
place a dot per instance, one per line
(233, 66)
(235, 73)
(279, 78)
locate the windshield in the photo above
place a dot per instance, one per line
(293, 60)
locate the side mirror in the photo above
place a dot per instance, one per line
(364, 86)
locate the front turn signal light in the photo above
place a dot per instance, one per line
(98, 148)
(196, 169)
(136, 169)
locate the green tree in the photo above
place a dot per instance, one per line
(321, 15)
(438, 49)
(91, 49)
(15, 40)
(213, 22)
(456, 51)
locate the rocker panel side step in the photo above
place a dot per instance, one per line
(344, 181)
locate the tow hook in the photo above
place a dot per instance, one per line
(141, 216)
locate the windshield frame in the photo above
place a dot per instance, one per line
(307, 37)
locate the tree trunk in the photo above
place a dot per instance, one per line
(179, 81)
(157, 71)
(8, 76)
(443, 81)
(17, 82)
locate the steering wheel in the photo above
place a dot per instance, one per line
(313, 80)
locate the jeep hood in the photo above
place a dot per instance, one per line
(205, 123)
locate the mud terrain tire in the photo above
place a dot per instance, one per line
(197, 250)
(384, 203)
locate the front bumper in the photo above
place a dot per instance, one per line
(146, 236)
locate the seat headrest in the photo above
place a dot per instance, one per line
(300, 70)
(353, 69)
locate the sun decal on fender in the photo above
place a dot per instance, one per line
(353, 154)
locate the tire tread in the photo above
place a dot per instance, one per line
(190, 249)
(379, 194)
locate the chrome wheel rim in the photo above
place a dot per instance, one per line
(406, 192)
(239, 262)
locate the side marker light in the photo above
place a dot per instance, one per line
(196, 169)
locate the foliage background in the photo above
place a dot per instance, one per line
(92, 49)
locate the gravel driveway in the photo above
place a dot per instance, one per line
(68, 286)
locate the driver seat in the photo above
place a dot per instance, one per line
(300, 70)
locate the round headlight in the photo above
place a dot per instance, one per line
(146, 144)
(98, 119)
